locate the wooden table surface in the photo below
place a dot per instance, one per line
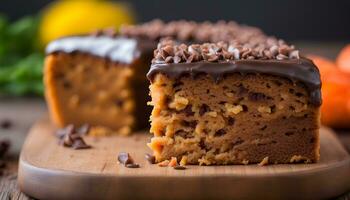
(22, 112)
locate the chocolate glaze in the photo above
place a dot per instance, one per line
(302, 70)
(117, 49)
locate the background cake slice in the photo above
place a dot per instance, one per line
(234, 103)
(98, 80)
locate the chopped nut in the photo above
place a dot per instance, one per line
(212, 114)
(233, 109)
(126, 130)
(301, 109)
(179, 102)
(74, 100)
(229, 94)
(264, 109)
(102, 95)
(264, 162)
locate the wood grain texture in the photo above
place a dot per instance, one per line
(49, 171)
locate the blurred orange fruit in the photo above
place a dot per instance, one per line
(335, 109)
(343, 59)
(67, 17)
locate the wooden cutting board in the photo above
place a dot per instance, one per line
(50, 171)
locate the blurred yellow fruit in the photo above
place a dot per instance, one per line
(71, 17)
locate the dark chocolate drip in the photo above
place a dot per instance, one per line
(302, 70)
(117, 49)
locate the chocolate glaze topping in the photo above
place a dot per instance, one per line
(115, 48)
(302, 70)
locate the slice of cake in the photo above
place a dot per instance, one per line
(246, 101)
(98, 79)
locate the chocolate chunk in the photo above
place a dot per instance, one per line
(6, 124)
(4, 146)
(245, 108)
(188, 110)
(2, 164)
(231, 121)
(220, 132)
(179, 167)
(191, 124)
(67, 84)
(150, 158)
(124, 158)
(242, 90)
(289, 133)
(256, 96)
(68, 130)
(237, 142)
(202, 144)
(299, 94)
(119, 103)
(79, 143)
(132, 165)
(67, 140)
(84, 129)
(183, 134)
(70, 137)
(263, 128)
(177, 84)
(203, 109)
(312, 140)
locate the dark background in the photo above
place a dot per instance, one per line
(324, 20)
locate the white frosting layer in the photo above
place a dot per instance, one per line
(117, 49)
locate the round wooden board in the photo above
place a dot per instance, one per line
(50, 171)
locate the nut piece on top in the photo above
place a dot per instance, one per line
(234, 102)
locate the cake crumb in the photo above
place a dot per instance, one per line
(245, 162)
(164, 163)
(173, 162)
(150, 158)
(183, 161)
(179, 167)
(264, 161)
(299, 159)
(100, 131)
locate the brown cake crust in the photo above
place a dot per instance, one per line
(240, 120)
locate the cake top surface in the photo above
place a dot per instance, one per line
(192, 31)
(258, 48)
(105, 44)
